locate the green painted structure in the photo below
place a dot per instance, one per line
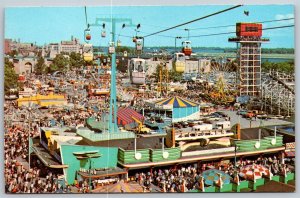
(211, 189)
(96, 137)
(243, 184)
(156, 155)
(128, 156)
(289, 177)
(107, 160)
(227, 188)
(247, 185)
(265, 143)
(93, 125)
(148, 155)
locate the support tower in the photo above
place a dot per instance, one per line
(249, 40)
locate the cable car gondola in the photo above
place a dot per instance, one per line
(139, 44)
(134, 39)
(187, 48)
(178, 62)
(87, 35)
(103, 32)
(111, 48)
(137, 68)
(119, 43)
(88, 52)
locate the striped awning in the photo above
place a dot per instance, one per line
(125, 116)
(176, 102)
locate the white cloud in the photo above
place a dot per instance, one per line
(285, 16)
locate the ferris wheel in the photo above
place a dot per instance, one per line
(222, 70)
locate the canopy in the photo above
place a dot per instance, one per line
(177, 102)
(125, 116)
(251, 171)
(211, 176)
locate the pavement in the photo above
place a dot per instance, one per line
(130, 187)
(246, 123)
(273, 186)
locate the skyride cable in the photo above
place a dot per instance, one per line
(222, 33)
(86, 21)
(212, 27)
(216, 34)
(198, 19)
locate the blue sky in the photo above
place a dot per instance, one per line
(53, 24)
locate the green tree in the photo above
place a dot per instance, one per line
(76, 60)
(286, 67)
(40, 66)
(124, 48)
(175, 76)
(10, 76)
(60, 63)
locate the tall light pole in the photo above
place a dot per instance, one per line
(177, 37)
(30, 117)
(188, 30)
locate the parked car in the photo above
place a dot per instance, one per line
(177, 125)
(241, 112)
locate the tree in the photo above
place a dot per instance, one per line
(10, 76)
(76, 60)
(60, 63)
(175, 76)
(124, 48)
(40, 66)
(286, 67)
(13, 53)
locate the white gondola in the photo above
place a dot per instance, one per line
(137, 68)
(139, 44)
(103, 34)
(111, 48)
(178, 62)
(88, 52)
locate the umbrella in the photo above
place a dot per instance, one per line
(212, 176)
(254, 170)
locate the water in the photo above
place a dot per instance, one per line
(276, 60)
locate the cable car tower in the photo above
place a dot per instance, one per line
(112, 125)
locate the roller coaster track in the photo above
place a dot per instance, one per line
(278, 93)
(278, 77)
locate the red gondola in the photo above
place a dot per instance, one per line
(187, 48)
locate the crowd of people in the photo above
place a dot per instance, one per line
(182, 178)
(19, 178)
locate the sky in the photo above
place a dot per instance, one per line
(45, 25)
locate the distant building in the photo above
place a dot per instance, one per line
(25, 49)
(64, 47)
(7, 43)
(204, 66)
(53, 49)
(70, 46)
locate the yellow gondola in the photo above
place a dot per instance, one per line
(178, 62)
(88, 52)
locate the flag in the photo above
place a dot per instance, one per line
(246, 13)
